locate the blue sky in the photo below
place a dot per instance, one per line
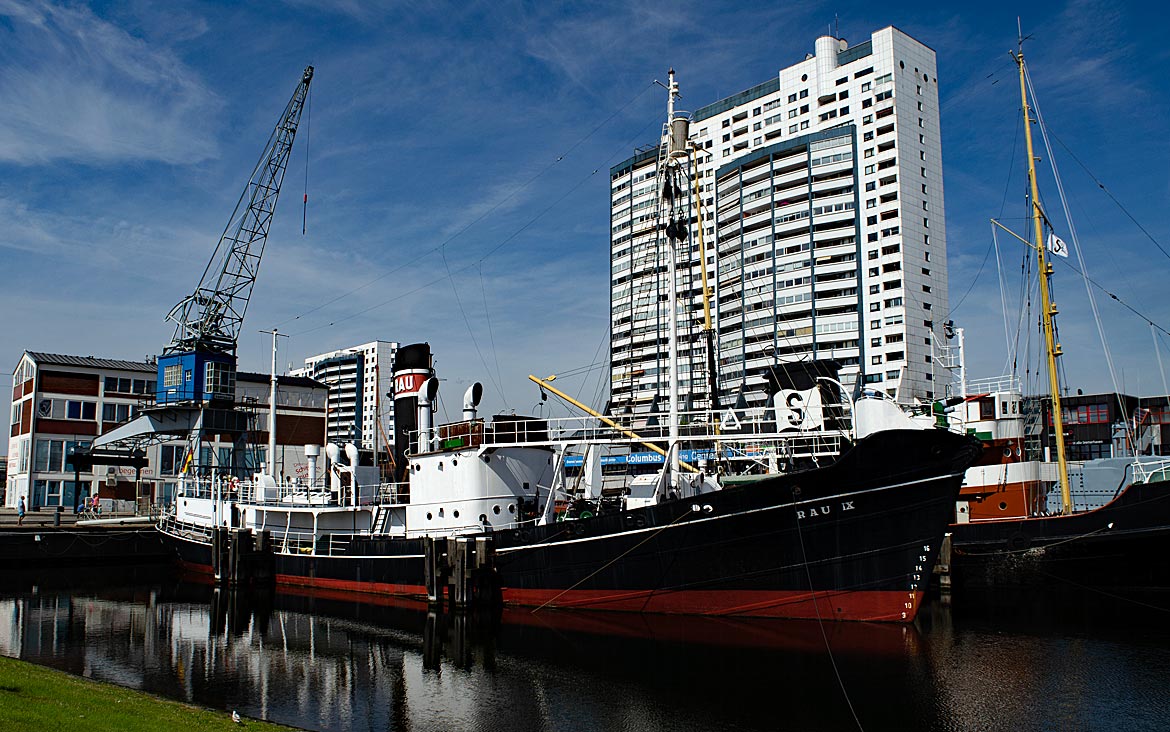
(475, 138)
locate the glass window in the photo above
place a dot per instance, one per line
(41, 456)
(171, 375)
(73, 410)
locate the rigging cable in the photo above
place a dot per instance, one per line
(1072, 230)
(466, 267)
(1112, 197)
(471, 331)
(491, 332)
(479, 218)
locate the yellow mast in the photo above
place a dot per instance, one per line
(702, 248)
(1049, 310)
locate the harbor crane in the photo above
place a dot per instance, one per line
(199, 364)
(196, 387)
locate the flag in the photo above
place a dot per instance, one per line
(1057, 246)
(187, 460)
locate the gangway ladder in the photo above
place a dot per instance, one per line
(381, 520)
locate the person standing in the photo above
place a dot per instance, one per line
(20, 512)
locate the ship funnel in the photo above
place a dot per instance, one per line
(428, 394)
(471, 399)
(412, 367)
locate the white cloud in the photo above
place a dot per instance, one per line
(77, 88)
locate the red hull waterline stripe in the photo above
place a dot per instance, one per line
(871, 605)
(895, 606)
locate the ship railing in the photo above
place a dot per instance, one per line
(993, 384)
(750, 424)
(168, 524)
(1149, 471)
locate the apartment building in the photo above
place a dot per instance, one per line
(359, 379)
(60, 402)
(823, 232)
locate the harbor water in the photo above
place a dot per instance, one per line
(1076, 659)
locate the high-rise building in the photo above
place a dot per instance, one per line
(359, 379)
(822, 229)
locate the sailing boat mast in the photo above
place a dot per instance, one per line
(1052, 348)
(674, 145)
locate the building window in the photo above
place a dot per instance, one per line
(66, 409)
(117, 412)
(875, 360)
(172, 374)
(219, 379)
(52, 456)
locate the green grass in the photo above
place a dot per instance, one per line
(40, 699)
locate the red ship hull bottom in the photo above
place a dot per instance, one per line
(897, 606)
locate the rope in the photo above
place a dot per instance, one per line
(1044, 546)
(603, 567)
(821, 623)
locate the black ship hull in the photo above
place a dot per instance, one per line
(1121, 544)
(855, 540)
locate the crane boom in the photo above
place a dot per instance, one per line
(199, 364)
(210, 318)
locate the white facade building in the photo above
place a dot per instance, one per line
(359, 379)
(823, 232)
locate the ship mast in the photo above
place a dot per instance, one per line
(672, 185)
(1052, 348)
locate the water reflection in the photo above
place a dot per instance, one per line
(327, 662)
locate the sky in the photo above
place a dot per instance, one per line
(456, 157)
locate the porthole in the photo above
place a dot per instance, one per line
(804, 77)
(511, 508)
(901, 64)
(1003, 505)
(455, 514)
(487, 458)
(1007, 452)
(454, 462)
(496, 509)
(429, 517)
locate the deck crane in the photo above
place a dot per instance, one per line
(199, 364)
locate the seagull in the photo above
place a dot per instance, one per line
(236, 717)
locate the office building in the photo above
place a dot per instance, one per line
(822, 229)
(60, 401)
